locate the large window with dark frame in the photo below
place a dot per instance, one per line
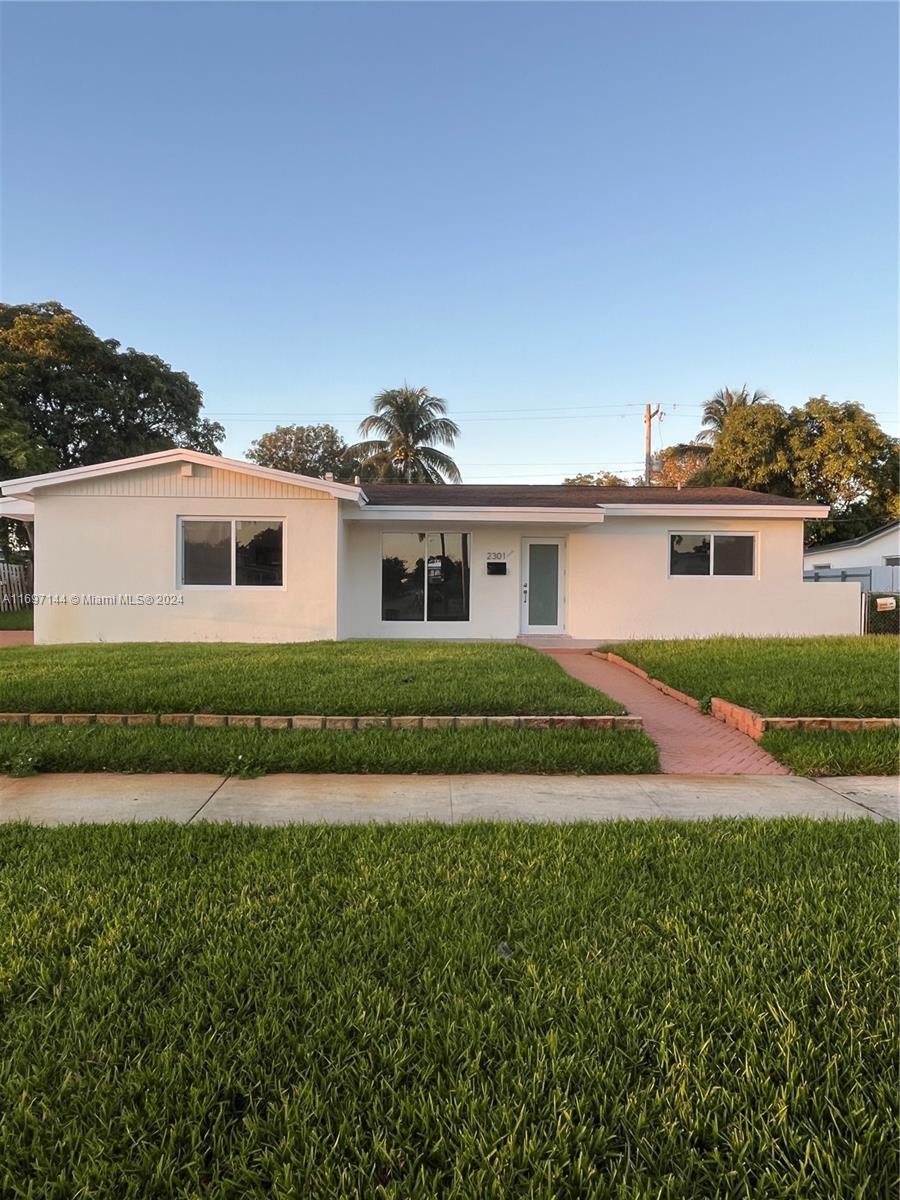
(425, 577)
(231, 552)
(724, 554)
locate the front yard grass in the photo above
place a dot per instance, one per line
(352, 678)
(780, 677)
(828, 752)
(24, 751)
(621, 1010)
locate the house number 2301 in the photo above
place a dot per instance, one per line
(497, 556)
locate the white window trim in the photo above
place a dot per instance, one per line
(712, 534)
(425, 621)
(181, 586)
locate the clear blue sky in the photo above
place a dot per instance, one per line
(546, 213)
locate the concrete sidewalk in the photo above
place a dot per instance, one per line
(354, 799)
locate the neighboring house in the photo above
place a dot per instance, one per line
(182, 546)
(15, 577)
(872, 560)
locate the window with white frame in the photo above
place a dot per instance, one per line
(230, 552)
(425, 577)
(724, 554)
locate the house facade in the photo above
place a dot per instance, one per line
(183, 546)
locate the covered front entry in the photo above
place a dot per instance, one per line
(543, 585)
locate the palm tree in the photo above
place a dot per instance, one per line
(723, 403)
(408, 424)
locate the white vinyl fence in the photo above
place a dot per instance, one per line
(873, 579)
(14, 586)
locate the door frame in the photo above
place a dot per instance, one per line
(560, 626)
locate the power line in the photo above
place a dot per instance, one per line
(524, 414)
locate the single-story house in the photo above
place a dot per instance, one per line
(873, 560)
(183, 546)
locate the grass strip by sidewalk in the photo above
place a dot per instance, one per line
(610, 1010)
(333, 678)
(378, 751)
(20, 618)
(780, 677)
(826, 752)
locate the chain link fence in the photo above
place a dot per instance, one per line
(881, 612)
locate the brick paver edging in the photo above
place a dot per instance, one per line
(626, 724)
(755, 724)
(745, 720)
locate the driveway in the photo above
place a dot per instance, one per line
(354, 799)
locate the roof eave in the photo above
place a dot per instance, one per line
(855, 543)
(493, 514)
(794, 511)
(24, 487)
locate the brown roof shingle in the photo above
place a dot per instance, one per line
(514, 495)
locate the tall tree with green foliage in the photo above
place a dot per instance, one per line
(841, 456)
(676, 466)
(752, 450)
(305, 450)
(409, 425)
(835, 454)
(598, 479)
(69, 398)
(726, 401)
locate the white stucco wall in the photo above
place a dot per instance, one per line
(494, 600)
(872, 554)
(119, 535)
(617, 585)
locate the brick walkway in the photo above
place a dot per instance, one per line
(690, 743)
(16, 637)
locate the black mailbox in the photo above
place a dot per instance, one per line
(496, 568)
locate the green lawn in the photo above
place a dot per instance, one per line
(617, 1011)
(21, 618)
(780, 677)
(353, 678)
(24, 751)
(826, 752)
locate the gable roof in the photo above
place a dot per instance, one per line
(530, 495)
(27, 484)
(850, 543)
(588, 501)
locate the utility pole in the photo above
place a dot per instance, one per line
(648, 419)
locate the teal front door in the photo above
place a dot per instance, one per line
(542, 585)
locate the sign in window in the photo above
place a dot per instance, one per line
(425, 577)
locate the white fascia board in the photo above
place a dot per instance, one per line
(795, 512)
(25, 486)
(479, 516)
(20, 510)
